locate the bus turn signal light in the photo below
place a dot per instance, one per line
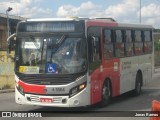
(82, 86)
(77, 89)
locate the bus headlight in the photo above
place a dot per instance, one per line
(77, 89)
(20, 89)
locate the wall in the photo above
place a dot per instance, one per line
(3, 36)
(6, 71)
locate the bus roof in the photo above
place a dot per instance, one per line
(50, 19)
(110, 23)
(132, 25)
(96, 21)
(69, 18)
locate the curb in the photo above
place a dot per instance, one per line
(7, 91)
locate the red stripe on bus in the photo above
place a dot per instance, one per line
(31, 88)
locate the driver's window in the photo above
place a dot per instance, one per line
(96, 49)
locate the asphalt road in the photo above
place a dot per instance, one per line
(126, 102)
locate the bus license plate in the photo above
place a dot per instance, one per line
(46, 100)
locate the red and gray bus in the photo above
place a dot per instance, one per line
(80, 61)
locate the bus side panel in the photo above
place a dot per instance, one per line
(112, 71)
(108, 70)
(96, 86)
(129, 68)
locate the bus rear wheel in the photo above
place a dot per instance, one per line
(106, 93)
(138, 84)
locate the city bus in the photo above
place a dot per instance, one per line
(75, 62)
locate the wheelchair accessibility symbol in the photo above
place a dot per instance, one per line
(51, 68)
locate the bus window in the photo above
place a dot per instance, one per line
(147, 36)
(96, 49)
(108, 44)
(138, 36)
(119, 36)
(128, 36)
(97, 54)
(107, 36)
(138, 44)
(128, 43)
(147, 42)
(119, 44)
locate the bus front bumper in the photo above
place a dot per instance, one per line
(80, 99)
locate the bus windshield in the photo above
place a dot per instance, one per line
(54, 55)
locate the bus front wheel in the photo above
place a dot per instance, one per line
(106, 93)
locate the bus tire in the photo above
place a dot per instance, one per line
(106, 93)
(138, 84)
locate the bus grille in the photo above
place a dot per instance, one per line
(47, 81)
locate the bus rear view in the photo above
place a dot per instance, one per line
(51, 63)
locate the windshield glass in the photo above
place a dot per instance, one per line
(54, 55)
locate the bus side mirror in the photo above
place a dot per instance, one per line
(11, 42)
(93, 42)
(11, 45)
(91, 48)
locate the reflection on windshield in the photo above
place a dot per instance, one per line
(70, 56)
(31, 56)
(31, 51)
(56, 55)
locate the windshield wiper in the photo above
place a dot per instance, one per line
(59, 43)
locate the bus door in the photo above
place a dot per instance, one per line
(94, 55)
